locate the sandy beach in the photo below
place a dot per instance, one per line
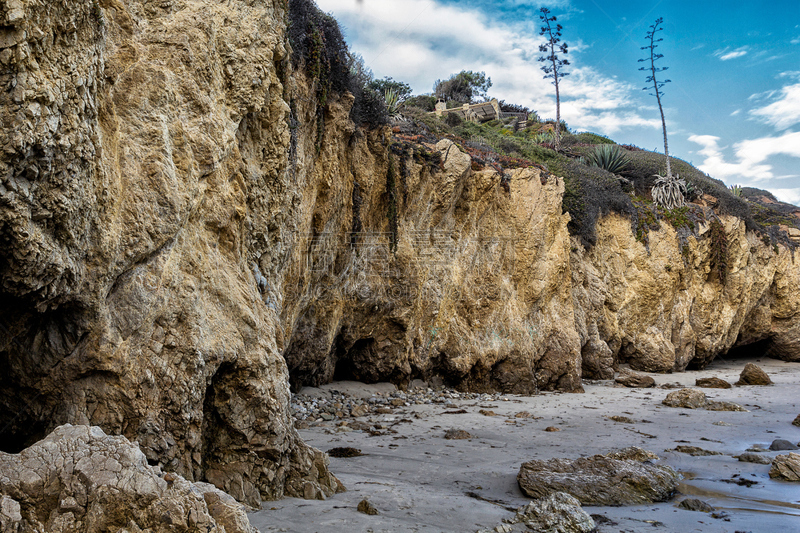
(421, 482)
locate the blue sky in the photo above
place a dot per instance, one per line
(732, 108)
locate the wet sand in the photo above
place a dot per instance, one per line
(421, 482)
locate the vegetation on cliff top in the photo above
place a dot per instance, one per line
(319, 49)
(596, 183)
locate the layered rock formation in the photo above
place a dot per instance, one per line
(185, 230)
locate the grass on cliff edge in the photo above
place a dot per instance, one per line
(591, 192)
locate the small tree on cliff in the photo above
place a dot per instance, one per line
(464, 87)
(552, 63)
(651, 79)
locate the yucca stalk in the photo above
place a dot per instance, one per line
(657, 85)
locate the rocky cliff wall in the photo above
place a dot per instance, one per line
(181, 240)
(143, 168)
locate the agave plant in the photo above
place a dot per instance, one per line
(608, 157)
(393, 103)
(669, 191)
(543, 138)
(736, 190)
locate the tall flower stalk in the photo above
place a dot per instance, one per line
(656, 85)
(553, 65)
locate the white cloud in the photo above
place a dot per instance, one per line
(726, 54)
(791, 196)
(716, 166)
(752, 155)
(784, 112)
(420, 41)
(736, 112)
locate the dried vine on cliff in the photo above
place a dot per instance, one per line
(719, 249)
(392, 210)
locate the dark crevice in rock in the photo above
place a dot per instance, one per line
(748, 351)
(33, 347)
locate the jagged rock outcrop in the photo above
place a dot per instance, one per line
(80, 479)
(472, 292)
(143, 172)
(786, 467)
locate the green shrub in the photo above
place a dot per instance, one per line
(453, 119)
(320, 49)
(425, 102)
(645, 166)
(719, 249)
(591, 138)
(591, 192)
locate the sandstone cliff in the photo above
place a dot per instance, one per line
(181, 239)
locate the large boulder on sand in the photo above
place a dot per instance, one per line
(786, 467)
(601, 479)
(80, 479)
(695, 399)
(635, 380)
(753, 375)
(686, 398)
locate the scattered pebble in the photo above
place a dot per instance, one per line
(695, 451)
(309, 411)
(457, 434)
(750, 457)
(712, 383)
(344, 452)
(622, 419)
(551, 429)
(364, 506)
(693, 504)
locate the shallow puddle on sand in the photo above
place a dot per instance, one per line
(735, 502)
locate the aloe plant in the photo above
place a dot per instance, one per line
(669, 191)
(736, 190)
(608, 157)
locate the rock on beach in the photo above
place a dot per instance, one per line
(600, 480)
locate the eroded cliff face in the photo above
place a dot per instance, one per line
(665, 310)
(405, 268)
(181, 240)
(144, 153)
